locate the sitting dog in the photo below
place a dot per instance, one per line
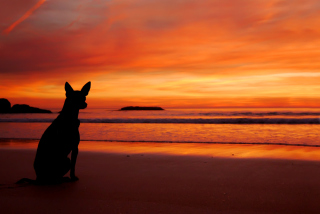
(61, 137)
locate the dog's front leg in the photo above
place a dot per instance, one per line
(74, 156)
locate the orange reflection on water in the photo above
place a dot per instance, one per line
(185, 149)
(204, 149)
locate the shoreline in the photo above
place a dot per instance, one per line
(267, 151)
(163, 183)
(167, 178)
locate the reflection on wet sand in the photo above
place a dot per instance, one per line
(191, 149)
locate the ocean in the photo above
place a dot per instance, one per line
(281, 126)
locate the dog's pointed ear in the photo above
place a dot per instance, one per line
(86, 88)
(68, 88)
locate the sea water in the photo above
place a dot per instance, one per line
(285, 126)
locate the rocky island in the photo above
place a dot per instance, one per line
(5, 107)
(140, 108)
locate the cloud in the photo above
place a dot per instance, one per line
(182, 35)
(24, 17)
(162, 39)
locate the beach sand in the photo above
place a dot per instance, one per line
(168, 178)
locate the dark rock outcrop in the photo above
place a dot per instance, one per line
(140, 108)
(5, 105)
(23, 108)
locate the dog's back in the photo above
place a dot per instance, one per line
(54, 147)
(58, 139)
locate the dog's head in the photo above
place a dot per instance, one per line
(78, 98)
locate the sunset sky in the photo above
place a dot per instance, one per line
(169, 53)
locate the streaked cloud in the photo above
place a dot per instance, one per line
(253, 49)
(24, 17)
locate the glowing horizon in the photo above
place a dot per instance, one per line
(248, 53)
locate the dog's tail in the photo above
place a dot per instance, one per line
(26, 181)
(20, 183)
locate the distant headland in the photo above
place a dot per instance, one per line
(140, 108)
(5, 108)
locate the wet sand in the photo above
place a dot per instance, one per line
(145, 178)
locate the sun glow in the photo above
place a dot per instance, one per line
(177, 53)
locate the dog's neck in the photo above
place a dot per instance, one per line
(69, 110)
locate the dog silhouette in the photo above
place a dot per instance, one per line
(60, 139)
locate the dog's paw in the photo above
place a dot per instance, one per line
(65, 179)
(74, 178)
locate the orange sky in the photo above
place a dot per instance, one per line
(171, 53)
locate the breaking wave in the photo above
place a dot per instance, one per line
(180, 120)
(260, 114)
